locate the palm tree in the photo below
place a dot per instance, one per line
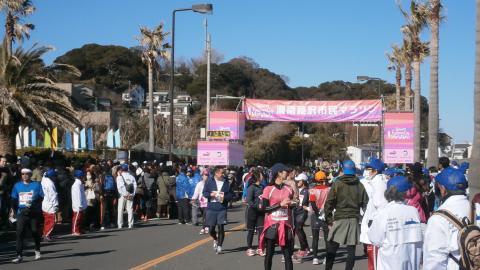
(28, 95)
(14, 29)
(474, 172)
(406, 56)
(434, 7)
(396, 64)
(416, 22)
(154, 47)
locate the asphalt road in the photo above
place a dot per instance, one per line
(158, 244)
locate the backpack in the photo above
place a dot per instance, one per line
(109, 183)
(468, 239)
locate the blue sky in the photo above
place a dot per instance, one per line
(309, 41)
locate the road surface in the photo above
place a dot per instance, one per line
(158, 244)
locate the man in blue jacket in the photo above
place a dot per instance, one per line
(218, 193)
(183, 192)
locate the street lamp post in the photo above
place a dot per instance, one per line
(368, 78)
(199, 8)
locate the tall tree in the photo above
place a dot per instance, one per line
(474, 172)
(416, 22)
(154, 47)
(396, 64)
(406, 54)
(14, 29)
(434, 7)
(29, 96)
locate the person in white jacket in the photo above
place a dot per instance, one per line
(396, 230)
(200, 203)
(79, 201)
(375, 185)
(441, 235)
(49, 203)
(126, 186)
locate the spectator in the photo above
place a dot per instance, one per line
(79, 202)
(49, 204)
(126, 185)
(183, 198)
(91, 193)
(37, 173)
(163, 198)
(110, 196)
(5, 187)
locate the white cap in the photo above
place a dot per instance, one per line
(301, 177)
(26, 170)
(135, 164)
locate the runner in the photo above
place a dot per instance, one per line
(318, 196)
(396, 229)
(300, 217)
(277, 200)
(255, 216)
(347, 196)
(200, 203)
(219, 193)
(26, 203)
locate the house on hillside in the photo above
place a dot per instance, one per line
(134, 96)
(461, 151)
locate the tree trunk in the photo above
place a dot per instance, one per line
(9, 32)
(433, 114)
(398, 85)
(151, 138)
(417, 110)
(474, 172)
(7, 139)
(408, 87)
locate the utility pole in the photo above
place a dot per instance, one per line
(209, 51)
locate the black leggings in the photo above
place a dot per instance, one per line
(316, 234)
(332, 248)
(287, 251)
(255, 219)
(302, 237)
(25, 223)
(221, 234)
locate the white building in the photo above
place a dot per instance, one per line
(134, 96)
(362, 153)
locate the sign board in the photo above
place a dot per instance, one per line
(398, 138)
(219, 134)
(313, 111)
(234, 122)
(214, 153)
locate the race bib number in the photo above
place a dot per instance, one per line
(280, 214)
(25, 198)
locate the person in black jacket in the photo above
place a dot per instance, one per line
(255, 216)
(218, 193)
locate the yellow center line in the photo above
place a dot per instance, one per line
(181, 251)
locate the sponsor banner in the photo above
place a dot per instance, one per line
(234, 122)
(219, 153)
(313, 111)
(218, 134)
(398, 138)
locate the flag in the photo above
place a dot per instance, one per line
(117, 139)
(26, 132)
(90, 139)
(83, 139)
(110, 139)
(33, 138)
(54, 138)
(75, 139)
(47, 140)
(68, 140)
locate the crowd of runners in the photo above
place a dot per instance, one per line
(406, 217)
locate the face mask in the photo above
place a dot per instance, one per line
(89, 177)
(368, 174)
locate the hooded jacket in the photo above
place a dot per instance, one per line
(346, 196)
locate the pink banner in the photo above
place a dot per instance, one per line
(313, 111)
(220, 153)
(228, 121)
(398, 131)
